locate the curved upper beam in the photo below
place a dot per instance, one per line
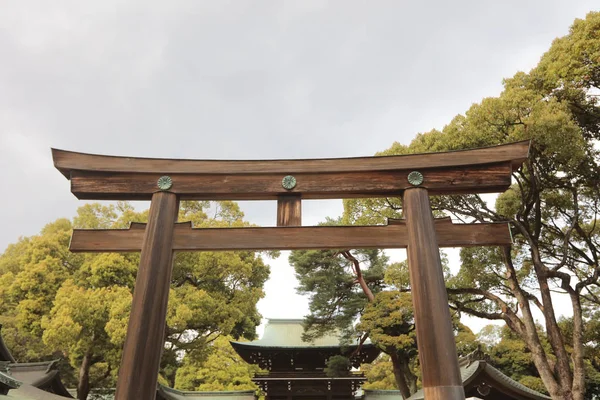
(485, 170)
(68, 161)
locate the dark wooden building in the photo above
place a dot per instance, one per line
(295, 368)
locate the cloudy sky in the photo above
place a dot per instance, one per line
(246, 80)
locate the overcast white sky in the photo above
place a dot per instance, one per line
(244, 79)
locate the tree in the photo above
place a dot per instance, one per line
(552, 207)
(221, 369)
(510, 354)
(212, 293)
(344, 286)
(54, 302)
(335, 281)
(389, 322)
(87, 325)
(380, 374)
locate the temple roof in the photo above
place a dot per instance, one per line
(166, 393)
(281, 348)
(43, 375)
(381, 394)
(13, 388)
(287, 333)
(29, 392)
(39, 380)
(473, 372)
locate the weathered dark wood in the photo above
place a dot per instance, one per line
(292, 238)
(138, 373)
(67, 162)
(435, 339)
(487, 178)
(289, 211)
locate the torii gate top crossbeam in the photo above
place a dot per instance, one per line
(99, 177)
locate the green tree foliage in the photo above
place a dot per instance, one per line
(380, 374)
(220, 368)
(509, 353)
(57, 303)
(338, 366)
(330, 281)
(552, 207)
(389, 322)
(344, 286)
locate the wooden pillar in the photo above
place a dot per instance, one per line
(435, 338)
(289, 210)
(144, 343)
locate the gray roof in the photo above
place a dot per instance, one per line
(36, 378)
(287, 333)
(21, 391)
(382, 394)
(167, 393)
(43, 375)
(28, 392)
(471, 369)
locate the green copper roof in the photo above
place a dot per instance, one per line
(167, 393)
(28, 392)
(284, 333)
(382, 394)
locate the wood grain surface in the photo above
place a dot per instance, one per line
(289, 210)
(144, 342)
(68, 161)
(292, 238)
(487, 178)
(435, 338)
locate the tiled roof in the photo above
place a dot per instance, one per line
(382, 394)
(28, 392)
(470, 370)
(287, 333)
(166, 393)
(43, 375)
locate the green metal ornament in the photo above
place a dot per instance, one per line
(288, 182)
(415, 178)
(165, 182)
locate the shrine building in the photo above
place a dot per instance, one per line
(295, 369)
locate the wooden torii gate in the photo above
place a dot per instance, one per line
(166, 181)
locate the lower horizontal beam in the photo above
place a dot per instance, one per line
(291, 238)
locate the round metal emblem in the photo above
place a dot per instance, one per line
(288, 182)
(165, 182)
(415, 178)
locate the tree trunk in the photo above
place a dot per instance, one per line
(399, 375)
(578, 365)
(527, 329)
(411, 379)
(83, 385)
